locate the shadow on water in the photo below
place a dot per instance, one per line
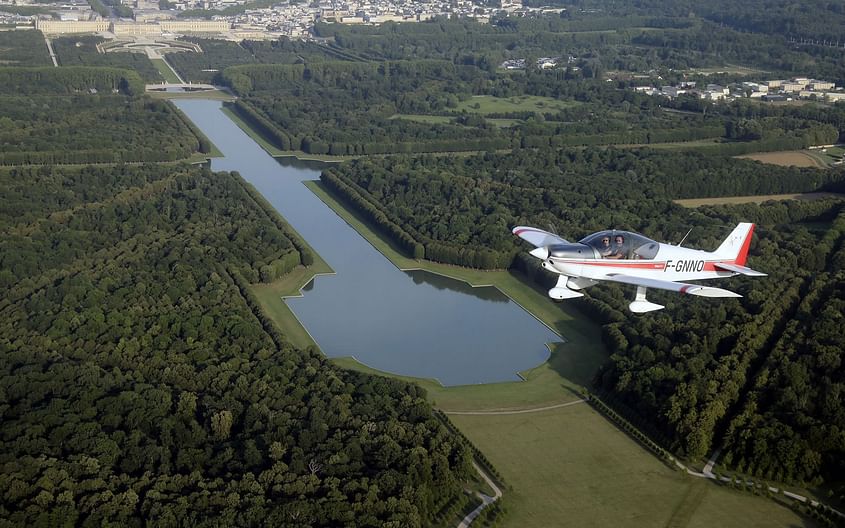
(296, 163)
(485, 293)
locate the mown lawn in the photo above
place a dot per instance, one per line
(165, 71)
(571, 467)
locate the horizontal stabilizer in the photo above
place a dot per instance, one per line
(736, 268)
(680, 287)
(538, 237)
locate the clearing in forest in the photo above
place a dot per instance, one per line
(795, 158)
(487, 104)
(722, 200)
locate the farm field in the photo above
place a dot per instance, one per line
(722, 200)
(571, 467)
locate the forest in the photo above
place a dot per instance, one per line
(81, 114)
(351, 108)
(139, 382)
(23, 48)
(68, 80)
(91, 129)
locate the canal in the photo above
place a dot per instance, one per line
(410, 323)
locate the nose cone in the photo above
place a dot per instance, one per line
(541, 253)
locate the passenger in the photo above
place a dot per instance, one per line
(618, 250)
(605, 249)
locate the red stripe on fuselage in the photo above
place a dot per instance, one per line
(709, 265)
(635, 264)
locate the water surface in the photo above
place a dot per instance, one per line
(411, 323)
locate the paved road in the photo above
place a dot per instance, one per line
(486, 500)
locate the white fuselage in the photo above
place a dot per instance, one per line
(671, 263)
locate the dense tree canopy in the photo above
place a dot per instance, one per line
(91, 128)
(23, 48)
(138, 380)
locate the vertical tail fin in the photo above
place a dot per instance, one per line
(735, 247)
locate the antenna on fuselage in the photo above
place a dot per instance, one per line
(552, 229)
(685, 237)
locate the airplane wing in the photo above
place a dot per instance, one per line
(538, 237)
(736, 268)
(680, 287)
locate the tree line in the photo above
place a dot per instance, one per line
(74, 79)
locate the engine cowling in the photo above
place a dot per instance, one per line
(572, 251)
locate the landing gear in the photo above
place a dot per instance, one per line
(641, 304)
(561, 292)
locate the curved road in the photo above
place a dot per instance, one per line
(513, 411)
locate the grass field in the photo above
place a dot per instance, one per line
(571, 467)
(728, 68)
(165, 71)
(487, 104)
(696, 202)
(422, 118)
(270, 297)
(216, 95)
(797, 158)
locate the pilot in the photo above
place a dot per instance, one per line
(618, 250)
(605, 249)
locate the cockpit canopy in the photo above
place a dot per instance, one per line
(615, 244)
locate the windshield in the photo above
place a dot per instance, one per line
(622, 245)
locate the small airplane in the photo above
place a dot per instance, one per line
(630, 258)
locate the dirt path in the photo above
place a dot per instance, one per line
(513, 411)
